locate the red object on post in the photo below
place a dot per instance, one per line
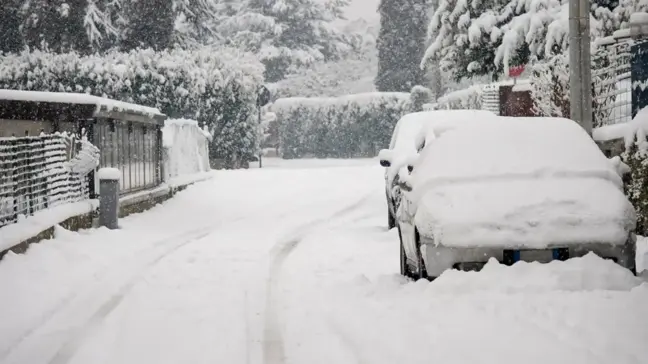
(516, 71)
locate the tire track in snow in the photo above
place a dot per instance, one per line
(273, 345)
(72, 341)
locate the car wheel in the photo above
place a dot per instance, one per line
(404, 269)
(421, 272)
(391, 221)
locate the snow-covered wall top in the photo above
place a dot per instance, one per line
(77, 98)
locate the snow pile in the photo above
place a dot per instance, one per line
(186, 148)
(633, 132)
(112, 174)
(588, 273)
(347, 126)
(30, 226)
(85, 160)
(537, 181)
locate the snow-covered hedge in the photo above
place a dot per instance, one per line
(635, 137)
(186, 148)
(469, 98)
(217, 87)
(348, 126)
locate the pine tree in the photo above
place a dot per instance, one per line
(103, 23)
(11, 39)
(286, 33)
(401, 43)
(149, 24)
(56, 25)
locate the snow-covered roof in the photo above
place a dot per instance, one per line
(102, 103)
(530, 178)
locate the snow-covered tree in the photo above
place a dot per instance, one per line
(11, 39)
(55, 24)
(476, 37)
(149, 24)
(103, 23)
(401, 44)
(353, 73)
(285, 33)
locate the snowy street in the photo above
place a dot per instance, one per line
(293, 263)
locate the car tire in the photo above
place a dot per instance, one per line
(404, 269)
(391, 220)
(421, 271)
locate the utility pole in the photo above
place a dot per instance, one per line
(580, 66)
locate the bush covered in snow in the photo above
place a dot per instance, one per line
(469, 98)
(217, 87)
(349, 126)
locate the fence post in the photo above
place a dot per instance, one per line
(108, 197)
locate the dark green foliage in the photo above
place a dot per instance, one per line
(346, 127)
(10, 37)
(150, 24)
(55, 25)
(401, 44)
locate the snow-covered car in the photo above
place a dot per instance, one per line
(408, 138)
(531, 189)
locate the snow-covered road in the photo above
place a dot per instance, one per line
(292, 264)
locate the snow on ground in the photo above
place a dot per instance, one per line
(293, 264)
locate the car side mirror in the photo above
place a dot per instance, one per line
(385, 157)
(405, 185)
(410, 168)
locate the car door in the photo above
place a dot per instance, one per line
(406, 223)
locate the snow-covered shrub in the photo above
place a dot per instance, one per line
(348, 126)
(186, 148)
(217, 87)
(469, 98)
(550, 86)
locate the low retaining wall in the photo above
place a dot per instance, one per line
(85, 217)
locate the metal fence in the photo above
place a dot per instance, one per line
(134, 149)
(612, 86)
(34, 177)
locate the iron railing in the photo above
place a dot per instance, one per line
(134, 149)
(34, 177)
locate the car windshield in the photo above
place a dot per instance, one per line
(511, 148)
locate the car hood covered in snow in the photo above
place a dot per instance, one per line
(526, 213)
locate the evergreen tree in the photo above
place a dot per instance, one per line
(55, 24)
(285, 33)
(401, 43)
(149, 24)
(104, 23)
(10, 38)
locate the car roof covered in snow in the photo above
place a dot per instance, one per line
(410, 126)
(512, 148)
